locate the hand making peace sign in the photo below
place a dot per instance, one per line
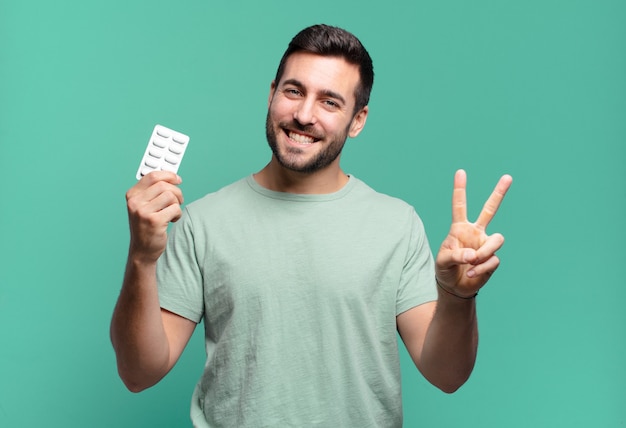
(467, 257)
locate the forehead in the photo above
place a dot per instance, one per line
(322, 73)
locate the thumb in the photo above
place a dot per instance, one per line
(449, 258)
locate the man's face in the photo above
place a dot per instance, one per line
(311, 112)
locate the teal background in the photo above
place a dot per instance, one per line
(532, 88)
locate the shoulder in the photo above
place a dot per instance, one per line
(216, 207)
(227, 194)
(381, 202)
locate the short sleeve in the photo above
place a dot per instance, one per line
(417, 282)
(179, 276)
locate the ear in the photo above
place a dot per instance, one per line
(358, 122)
(271, 96)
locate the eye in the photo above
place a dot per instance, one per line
(331, 104)
(292, 92)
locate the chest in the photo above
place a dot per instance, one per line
(299, 268)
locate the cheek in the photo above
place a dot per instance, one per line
(280, 107)
(338, 126)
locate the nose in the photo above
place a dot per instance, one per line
(304, 114)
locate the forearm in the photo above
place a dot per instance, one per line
(137, 331)
(451, 343)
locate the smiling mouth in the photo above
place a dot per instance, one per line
(300, 138)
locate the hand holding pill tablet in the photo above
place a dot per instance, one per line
(164, 152)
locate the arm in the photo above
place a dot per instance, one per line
(148, 340)
(442, 340)
(442, 336)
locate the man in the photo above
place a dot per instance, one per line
(301, 273)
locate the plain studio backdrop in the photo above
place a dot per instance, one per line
(536, 89)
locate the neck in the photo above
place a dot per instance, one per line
(277, 178)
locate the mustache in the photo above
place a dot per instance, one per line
(305, 129)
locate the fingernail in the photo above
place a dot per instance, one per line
(471, 273)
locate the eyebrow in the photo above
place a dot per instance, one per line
(326, 92)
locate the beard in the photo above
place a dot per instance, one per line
(290, 157)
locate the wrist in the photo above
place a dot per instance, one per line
(451, 293)
(142, 260)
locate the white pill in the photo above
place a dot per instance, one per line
(176, 149)
(162, 132)
(146, 171)
(155, 153)
(151, 163)
(159, 143)
(171, 159)
(180, 139)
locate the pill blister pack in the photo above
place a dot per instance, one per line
(164, 152)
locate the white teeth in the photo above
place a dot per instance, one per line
(302, 139)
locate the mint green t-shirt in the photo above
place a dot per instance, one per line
(299, 296)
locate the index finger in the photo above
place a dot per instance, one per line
(155, 176)
(152, 178)
(493, 203)
(459, 199)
